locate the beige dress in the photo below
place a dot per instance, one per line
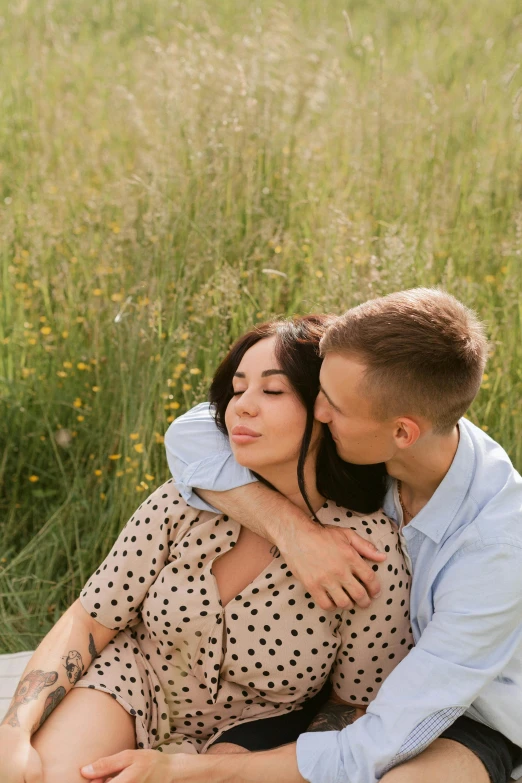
(188, 668)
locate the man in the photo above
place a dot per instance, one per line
(398, 375)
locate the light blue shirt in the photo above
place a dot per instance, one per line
(466, 604)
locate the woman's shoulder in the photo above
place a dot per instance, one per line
(167, 503)
(376, 525)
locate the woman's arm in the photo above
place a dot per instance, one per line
(375, 640)
(57, 664)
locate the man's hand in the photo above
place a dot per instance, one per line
(328, 562)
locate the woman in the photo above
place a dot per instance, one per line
(210, 630)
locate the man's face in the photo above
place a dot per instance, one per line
(359, 437)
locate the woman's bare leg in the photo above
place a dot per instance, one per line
(85, 726)
(227, 747)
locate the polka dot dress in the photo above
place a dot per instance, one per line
(188, 668)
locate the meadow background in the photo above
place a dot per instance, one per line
(172, 172)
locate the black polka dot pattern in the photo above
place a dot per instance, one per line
(188, 668)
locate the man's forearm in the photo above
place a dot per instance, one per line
(264, 766)
(262, 510)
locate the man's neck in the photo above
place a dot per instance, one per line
(422, 468)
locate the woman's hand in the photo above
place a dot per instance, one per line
(328, 561)
(19, 761)
(151, 766)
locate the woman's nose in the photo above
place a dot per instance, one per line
(246, 405)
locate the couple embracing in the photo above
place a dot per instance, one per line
(328, 589)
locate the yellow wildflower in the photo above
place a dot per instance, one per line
(184, 336)
(96, 388)
(97, 472)
(82, 366)
(33, 478)
(80, 418)
(149, 477)
(103, 495)
(120, 473)
(61, 374)
(67, 365)
(139, 448)
(134, 435)
(77, 403)
(489, 279)
(97, 292)
(114, 456)
(174, 406)
(46, 330)
(186, 387)
(159, 438)
(195, 371)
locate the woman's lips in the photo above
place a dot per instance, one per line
(242, 434)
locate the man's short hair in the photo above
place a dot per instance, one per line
(424, 351)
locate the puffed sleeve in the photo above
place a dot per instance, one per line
(114, 593)
(376, 639)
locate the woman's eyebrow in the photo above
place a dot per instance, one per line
(329, 400)
(264, 374)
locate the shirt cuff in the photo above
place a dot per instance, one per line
(319, 758)
(218, 472)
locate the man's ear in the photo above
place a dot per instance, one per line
(407, 432)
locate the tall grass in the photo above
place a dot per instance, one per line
(158, 160)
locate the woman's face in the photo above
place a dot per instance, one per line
(265, 419)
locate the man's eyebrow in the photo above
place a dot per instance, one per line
(334, 406)
(264, 374)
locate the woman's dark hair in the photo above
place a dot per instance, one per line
(358, 487)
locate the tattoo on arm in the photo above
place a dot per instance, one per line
(51, 702)
(92, 648)
(28, 690)
(35, 681)
(333, 717)
(73, 666)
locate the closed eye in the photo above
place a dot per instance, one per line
(235, 394)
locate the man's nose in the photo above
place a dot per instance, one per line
(321, 409)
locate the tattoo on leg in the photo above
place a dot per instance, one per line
(51, 702)
(92, 648)
(28, 690)
(332, 717)
(73, 666)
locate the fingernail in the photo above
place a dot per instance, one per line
(89, 769)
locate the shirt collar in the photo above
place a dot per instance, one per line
(440, 511)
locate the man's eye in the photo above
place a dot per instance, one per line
(235, 393)
(273, 392)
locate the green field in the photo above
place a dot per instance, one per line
(172, 172)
